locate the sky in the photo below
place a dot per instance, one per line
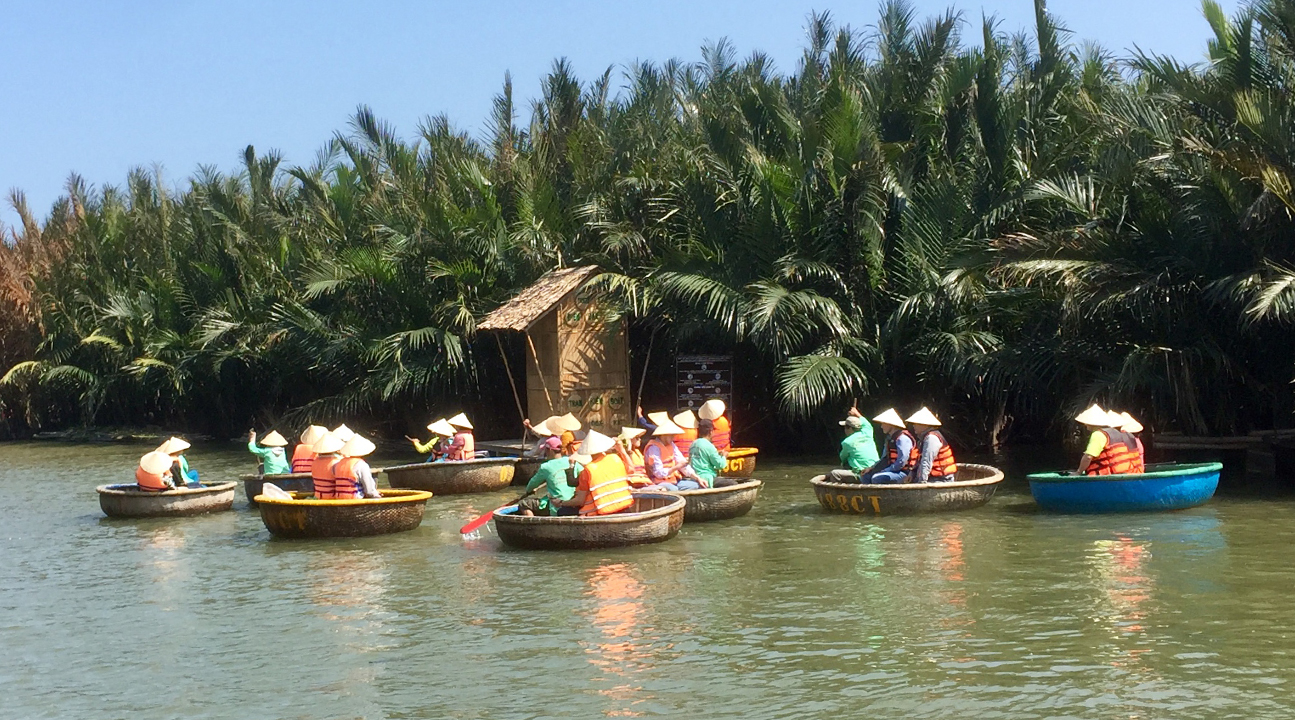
(97, 88)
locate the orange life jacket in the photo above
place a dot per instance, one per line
(1119, 457)
(1142, 454)
(321, 475)
(303, 458)
(944, 464)
(151, 482)
(608, 486)
(722, 437)
(668, 463)
(892, 451)
(684, 441)
(345, 484)
(467, 451)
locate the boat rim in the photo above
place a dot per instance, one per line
(676, 503)
(453, 463)
(390, 496)
(746, 484)
(1181, 470)
(997, 477)
(741, 452)
(122, 489)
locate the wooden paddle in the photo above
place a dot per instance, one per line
(483, 519)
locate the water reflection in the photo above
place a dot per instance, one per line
(617, 592)
(161, 555)
(347, 585)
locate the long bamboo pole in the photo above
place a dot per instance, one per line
(540, 371)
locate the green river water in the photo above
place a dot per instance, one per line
(1001, 612)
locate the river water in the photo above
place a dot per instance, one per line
(1001, 612)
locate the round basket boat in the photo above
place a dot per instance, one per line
(304, 517)
(525, 469)
(454, 477)
(654, 517)
(975, 486)
(741, 463)
(128, 501)
(1170, 486)
(292, 482)
(720, 503)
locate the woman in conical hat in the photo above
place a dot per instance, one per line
(543, 431)
(274, 461)
(303, 456)
(321, 470)
(603, 485)
(688, 422)
(1132, 427)
(343, 433)
(1109, 451)
(352, 476)
(899, 456)
(436, 447)
(566, 426)
(629, 448)
(665, 464)
(722, 430)
(463, 446)
(935, 462)
(154, 472)
(181, 473)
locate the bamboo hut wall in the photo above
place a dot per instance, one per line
(583, 363)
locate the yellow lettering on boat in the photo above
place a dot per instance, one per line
(855, 504)
(876, 506)
(843, 502)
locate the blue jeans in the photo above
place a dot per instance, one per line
(687, 484)
(886, 478)
(666, 487)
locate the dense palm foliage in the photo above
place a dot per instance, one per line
(1006, 229)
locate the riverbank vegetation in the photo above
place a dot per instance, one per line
(1003, 226)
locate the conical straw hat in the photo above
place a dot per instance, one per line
(1114, 419)
(460, 421)
(1129, 424)
(594, 443)
(628, 433)
(442, 427)
(711, 409)
(657, 418)
(890, 417)
(273, 439)
(568, 422)
(329, 443)
(924, 417)
(173, 446)
(545, 428)
(686, 420)
(357, 447)
(312, 434)
(343, 432)
(1094, 415)
(667, 427)
(155, 463)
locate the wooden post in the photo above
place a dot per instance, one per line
(540, 371)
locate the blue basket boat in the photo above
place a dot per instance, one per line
(1171, 486)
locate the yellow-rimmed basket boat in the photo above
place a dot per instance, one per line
(128, 501)
(290, 482)
(741, 463)
(454, 477)
(975, 486)
(722, 503)
(653, 518)
(525, 469)
(305, 517)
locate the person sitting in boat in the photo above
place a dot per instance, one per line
(1131, 426)
(687, 421)
(665, 464)
(175, 448)
(858, 449)
(935, 462)
(558, 476)
(628, 446)
(900, 454)
(543, 431)
(436, 448)
(566, 428)
(303, 456)
(321, 470)
(713, 410)
(706, 460)
(1109, 451)
(352, 477)
(154, 472)
(602, 488)
(273, 460)
(462, 446)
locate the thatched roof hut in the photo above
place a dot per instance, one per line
(522, 311)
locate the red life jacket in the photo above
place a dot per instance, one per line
(722, 437)
(892, 451)
(1119, 457)
(944, 464)
(151, 482)
(607, 483)
(303, 458)
(684, 441)
(321, 475)
(468, 449)
(345, 483)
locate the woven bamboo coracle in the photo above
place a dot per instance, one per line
(128, 501)
(720, 503)
(305, 517)
(454, 477)
(741, 463)
(654, 517)
(975, 486)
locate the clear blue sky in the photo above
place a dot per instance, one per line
(99, 87)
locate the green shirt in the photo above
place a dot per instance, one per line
(705, 460)
(858, 450)
(273, 459)
(553, 474)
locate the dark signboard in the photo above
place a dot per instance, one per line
(702, 377)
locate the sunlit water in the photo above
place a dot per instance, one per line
(787, 613)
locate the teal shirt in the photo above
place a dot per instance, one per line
(705, 460)
(273, 459)
(858, 450)
(553, 474)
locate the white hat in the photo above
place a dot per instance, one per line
(313, 434)
(568, 422)
(442, 427)
(173, 446)
(924, 417)
(666, 427)
(628, 433)
(890, 417)
(343, 432)
(329, 443)
(155, 463)
(658, 418)
(357, 447)
(273, 439)
(545, 427)
(853, 422)
(686, 420)
(595, 443)
(460, 421)
(1114, 419)
(711, 409)
(1094, 415)
(1129, 424)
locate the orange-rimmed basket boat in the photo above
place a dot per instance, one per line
(305, 517)
(741, 463)
(722, 503)
(454, 477)
(653, 518)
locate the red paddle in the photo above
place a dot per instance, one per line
(483, 519)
